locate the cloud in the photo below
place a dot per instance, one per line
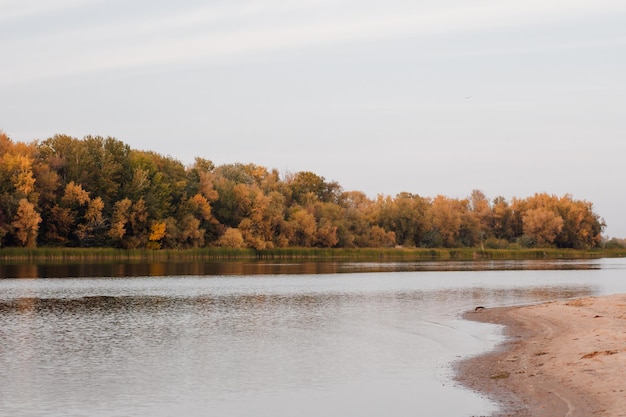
(237, 29)
(21, 9)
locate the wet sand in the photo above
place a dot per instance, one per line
(565, 358)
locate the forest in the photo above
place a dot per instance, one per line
(98, 192)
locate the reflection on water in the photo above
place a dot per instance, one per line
(135, 269)
(156, 269)
(350, 344)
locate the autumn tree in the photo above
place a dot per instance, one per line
(18, 170)
(189, 227)
(542, 225)
(157, 180)
(262, 227)
(446, 214)
(26, 224)
(303, 227)
(191, 234)
(541, 219)
(380, 238)
(307, 187)
(475, 219)
(358, 217)
(62, 220)
(98, 191)
(119, 220)
(236, 189)
(17, 183)
(407, 216)
(105, 167)
(231, 238)
(201, 179)
(17, 180)
(582, 228)
(157, 233)
(91, 231)
(502, 223)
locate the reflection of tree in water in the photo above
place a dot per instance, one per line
(200, 268)
(157, 269)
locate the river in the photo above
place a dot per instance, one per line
(262, 339)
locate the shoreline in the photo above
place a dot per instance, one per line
(98, 254)
(563, 358)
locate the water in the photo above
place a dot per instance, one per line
(355, 340)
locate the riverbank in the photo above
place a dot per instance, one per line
(564, 358)
(356, 254)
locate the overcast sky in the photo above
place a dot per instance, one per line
(426, 96)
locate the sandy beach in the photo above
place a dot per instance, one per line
(565, 358)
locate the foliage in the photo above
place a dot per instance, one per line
(98, 192)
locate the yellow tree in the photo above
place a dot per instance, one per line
(407, 216)
(62, 218)
(303, 227)
(380, 238)
(16, 169)
(259, 228)
(582, 228)
(231, 238)
(206, 186)
(157, 232)
(119, 219)
(502, 219)
(446, 219)
(358, 215)
(74, 195)
(19, 169)
(201, 179)
(476, 218)
(26, 224)
(90, 230)
(17, 181)
(200, 207)
(5, 143)
(326, 234)
(540, 218)
(542, 225)
(138, 221)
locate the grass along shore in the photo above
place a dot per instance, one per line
(364, 254)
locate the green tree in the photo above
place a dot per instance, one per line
(160, 181)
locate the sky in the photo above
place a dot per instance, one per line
(511, 97)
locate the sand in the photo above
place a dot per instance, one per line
(565, 358)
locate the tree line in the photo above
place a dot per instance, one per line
(98, 192)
